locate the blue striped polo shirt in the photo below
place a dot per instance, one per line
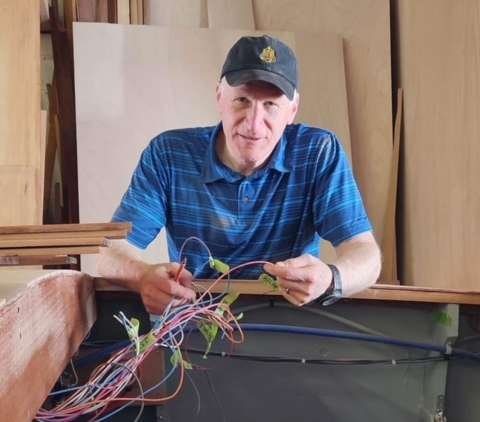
(306, 191)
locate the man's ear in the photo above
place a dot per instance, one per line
(218, 95)
(294, 108)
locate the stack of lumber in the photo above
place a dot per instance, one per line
(52, 244)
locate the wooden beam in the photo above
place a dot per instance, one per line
(56, 228)
(67, 250)
(385, 292)
(9, 261)
(50, 242)
(40, 329)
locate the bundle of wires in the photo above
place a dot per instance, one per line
(109, 380)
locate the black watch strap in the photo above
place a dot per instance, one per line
(334, 292)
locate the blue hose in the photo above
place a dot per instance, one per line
(349, 335)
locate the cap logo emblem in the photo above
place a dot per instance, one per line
(268, 55)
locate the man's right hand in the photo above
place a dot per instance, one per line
(158, 287)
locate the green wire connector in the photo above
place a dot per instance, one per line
(218, 265)
(208, 329)
(177, 358)
(269, 280)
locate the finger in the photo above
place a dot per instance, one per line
(294, 285)
(301, 261)
(287, 272)
(185, 278)
(176, 290)
(292, 297)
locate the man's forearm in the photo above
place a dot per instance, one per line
(120, 265)
(359, 263)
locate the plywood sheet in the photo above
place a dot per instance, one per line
(365, 27)
(42, 322)
(23, 202)
(19, 82)
(230, 14)
(181, 13)
(145, 85)
(439, 72)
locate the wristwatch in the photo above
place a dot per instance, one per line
(334, 291)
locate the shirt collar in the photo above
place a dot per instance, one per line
(214, 169)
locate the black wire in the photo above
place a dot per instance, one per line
(339, 362)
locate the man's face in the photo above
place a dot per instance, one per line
(254, 117)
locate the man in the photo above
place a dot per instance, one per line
(255, 187)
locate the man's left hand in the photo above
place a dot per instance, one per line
(301, 279)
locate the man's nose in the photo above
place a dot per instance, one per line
(255, 118)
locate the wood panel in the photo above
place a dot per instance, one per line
(43, 320)
(20, 135)
(119, 111)
(365, 28)
(384, 292)
(389, 244)
(180, 13)
(439, 67)
(230, 14)
(59, 228)
(23, 202)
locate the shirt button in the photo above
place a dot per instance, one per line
(245, 199)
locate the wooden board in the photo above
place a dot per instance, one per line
(389, 243)
(24, 205)
(66, 250)
(20, 149)
(119, 111)
(230, 14)
(61, 228)
(180, 13)
(42, 323)
(439, 73)
(384, 292)
(365, 27)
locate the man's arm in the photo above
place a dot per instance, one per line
(306, 278)
(156, 283)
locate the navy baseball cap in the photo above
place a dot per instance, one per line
(262, 59)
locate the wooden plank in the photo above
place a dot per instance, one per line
(112, 11)
(101, 126)
(133, 12)
(59, 306)
(179, 13)
(62, 241)
(58, 228)
(9, 261)
(385, 292)
(109, 234)
(20, 153)
(18, 184)
(389, 244)
(123, 12)
(439, 71)
(365, 27)
(230, 14)
(44, 15)
(20, 83)
(62, 51)
(71, 250)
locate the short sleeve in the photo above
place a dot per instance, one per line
(144, 204)
(339, 213)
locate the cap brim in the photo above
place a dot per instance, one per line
(240, 77)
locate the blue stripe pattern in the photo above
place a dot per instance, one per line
(304, 193)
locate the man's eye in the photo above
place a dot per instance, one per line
(241, 100)
(271, 105)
